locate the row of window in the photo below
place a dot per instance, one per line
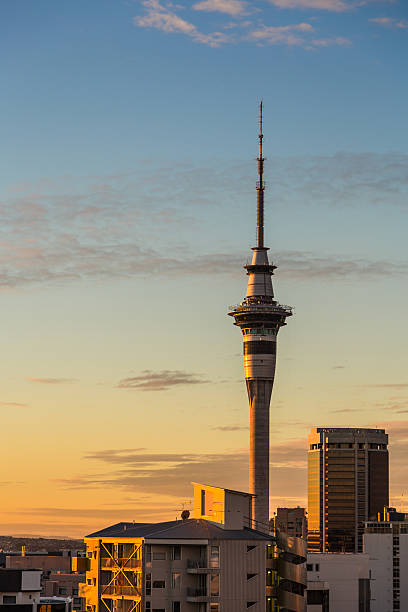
(161, 555)
(259, 331)
(176, 583)
(360, 445)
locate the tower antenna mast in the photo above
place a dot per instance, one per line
(260, 187)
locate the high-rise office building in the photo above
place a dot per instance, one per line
(347, 485)
(260, 317)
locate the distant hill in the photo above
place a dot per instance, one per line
(33, 544)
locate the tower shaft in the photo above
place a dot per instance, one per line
(260, 317)
(259, 395)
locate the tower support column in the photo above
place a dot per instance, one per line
(259, 395)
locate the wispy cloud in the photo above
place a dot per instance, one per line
(346, 410)
(98, 228)
(162, 18)
(51, 381)
(274, 35)
(391, 22)
(229, 7)
(400, 385)
(298, 34)
(171, 473)
(229, 427)
(14, 404)
(160, 381)
(337, 6)
(329, 42)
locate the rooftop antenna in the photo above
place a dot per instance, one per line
(260, 186)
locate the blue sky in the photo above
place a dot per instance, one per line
(127, 208)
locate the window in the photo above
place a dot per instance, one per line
(148, 584)
(176, 553)
(214, 585)
(90, 555)
(159, 556)
(214, 607)
(9, 599)
(176, 580)
(147, 606)
(249, 576)
(159, 584)
(62, 591)
(250, 603)
(317, 567)
(95, 553)
(176, 606)
(148, 550)
(202, 501)
(249, 548)
(89, 580)
(309, 567)
(77, 601)
(269, 551)
(269, 577)
(75, 591)
(215, 556)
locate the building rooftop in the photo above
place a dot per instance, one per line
(190, 529)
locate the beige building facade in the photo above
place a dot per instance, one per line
(194, 565)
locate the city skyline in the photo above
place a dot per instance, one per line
(128, 191)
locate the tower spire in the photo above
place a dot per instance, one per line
(260, 187)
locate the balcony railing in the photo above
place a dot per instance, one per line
(130, 591)
(197, 564)
(192, 592)
(121, 562)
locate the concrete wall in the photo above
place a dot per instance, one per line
(379, 548)
(342, 572)
(44, 562)
(31, 581)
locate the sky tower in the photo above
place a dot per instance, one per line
(260, 317)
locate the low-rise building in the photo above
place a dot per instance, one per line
(55, 604)
(57, 578)
(19, 590)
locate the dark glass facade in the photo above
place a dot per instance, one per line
(347, 485)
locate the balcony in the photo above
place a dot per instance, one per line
(121, 562)
(197, 595)
(81, 564)
(291, 601)
(120, 591)
(198, 566)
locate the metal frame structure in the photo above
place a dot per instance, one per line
(120, 567)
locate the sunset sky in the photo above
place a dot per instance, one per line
(127, 177)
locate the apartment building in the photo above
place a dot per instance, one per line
(212, 564)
